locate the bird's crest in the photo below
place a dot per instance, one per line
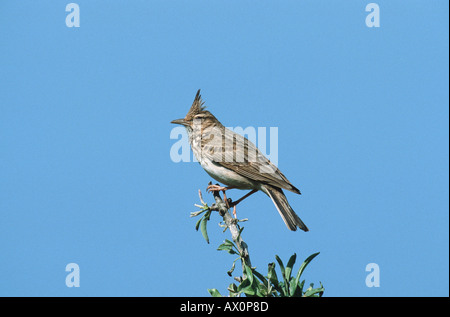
(197, 106)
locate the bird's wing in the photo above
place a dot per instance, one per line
(240, 155)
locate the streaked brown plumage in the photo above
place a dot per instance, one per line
(233, 160)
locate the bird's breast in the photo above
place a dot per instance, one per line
(218, 172)
(226, 176)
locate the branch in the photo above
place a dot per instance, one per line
(231, 223)
(252, 283)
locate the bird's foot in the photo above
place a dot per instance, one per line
(216, 188)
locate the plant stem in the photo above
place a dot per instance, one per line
(232, 224)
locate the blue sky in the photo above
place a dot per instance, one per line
(85, 168)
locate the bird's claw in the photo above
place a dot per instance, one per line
(215, 188)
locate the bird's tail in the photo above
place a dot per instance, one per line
(289, 216)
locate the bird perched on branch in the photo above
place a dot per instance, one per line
(234, 161)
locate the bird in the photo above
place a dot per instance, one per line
(233, 160)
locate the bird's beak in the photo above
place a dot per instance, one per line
(180, 121)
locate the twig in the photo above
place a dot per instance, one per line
(232, 224)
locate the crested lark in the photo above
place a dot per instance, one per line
(233, 160)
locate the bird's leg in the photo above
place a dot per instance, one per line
(234, 203)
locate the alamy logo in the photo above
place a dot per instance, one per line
(73, 278)
(373, 18)
(73, 18)
(373, 278)
(216, 142)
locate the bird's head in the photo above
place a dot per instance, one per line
(197, 113)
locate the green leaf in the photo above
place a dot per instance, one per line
(251, 287)
(304, 265)
(285, 285)
(197, 225)
(261, 277)
(249, 291)
(273, 279)
(214, 292)
(228, 242)
(295, 282)
(293, 287)
(249, 273)
(301, 286)
(230, 272)
(203, 229)
(281, 267)
(226, 247)
(196, 213)
(261, 290)
(240, 232)
(223, 246)
(289, 266)
(314, 292)
(245, 283)
(272, 274)
(233, 290)
(208, 214)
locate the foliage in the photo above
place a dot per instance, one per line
(253, 283)
(202, 222)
